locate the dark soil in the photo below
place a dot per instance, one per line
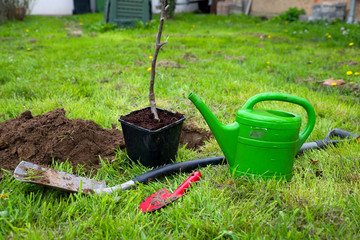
(193, 137)
(42, 138)
(53, 136)
(145, 118)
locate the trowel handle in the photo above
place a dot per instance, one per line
(185, 185)
(291, 99)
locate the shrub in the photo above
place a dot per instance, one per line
(292, 14)
(101, 27)
(13, 9)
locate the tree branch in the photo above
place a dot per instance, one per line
(158, 45)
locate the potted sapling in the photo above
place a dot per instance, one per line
(152, 134)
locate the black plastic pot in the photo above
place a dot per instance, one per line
(152, 148)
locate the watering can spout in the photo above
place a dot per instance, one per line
(225, 135)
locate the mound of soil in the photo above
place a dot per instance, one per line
(42, 138)
(53, 136)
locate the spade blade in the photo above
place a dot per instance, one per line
(33, 173)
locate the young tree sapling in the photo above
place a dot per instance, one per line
(158, 45)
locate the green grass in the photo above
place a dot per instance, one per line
(98, 76)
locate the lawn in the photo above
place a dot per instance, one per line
(99, 73)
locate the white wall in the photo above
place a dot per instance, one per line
(52, 7)
(66, 7)
(181, 6)
(55, 7)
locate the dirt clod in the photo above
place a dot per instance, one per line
(168, 64)
(190, 57)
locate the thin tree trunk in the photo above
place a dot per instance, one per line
(158, 45)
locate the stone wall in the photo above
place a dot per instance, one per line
(273, 8)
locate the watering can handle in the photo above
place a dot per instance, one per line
(291, 99)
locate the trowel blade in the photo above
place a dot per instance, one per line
(163, 197)
(157, 200)
(33, 173)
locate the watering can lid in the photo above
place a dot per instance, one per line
(269, 119)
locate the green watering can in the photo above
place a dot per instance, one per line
(261, 143)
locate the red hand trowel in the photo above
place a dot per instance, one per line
(163, 197)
